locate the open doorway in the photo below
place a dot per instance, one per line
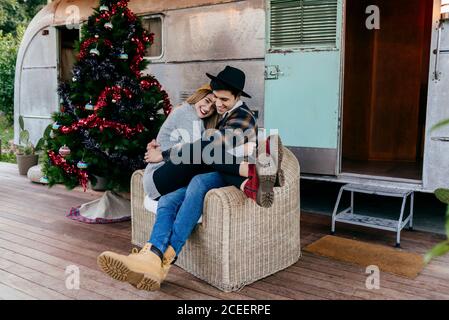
(385, 89)
(67, 56)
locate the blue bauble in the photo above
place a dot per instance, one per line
(82, 165)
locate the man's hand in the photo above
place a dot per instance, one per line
(154, 155)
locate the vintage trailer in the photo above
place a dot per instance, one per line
(353, 86)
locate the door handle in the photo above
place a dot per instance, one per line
(437, 52)
(272, 72)
(440, 139)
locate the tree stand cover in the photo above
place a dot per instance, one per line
(110, 208)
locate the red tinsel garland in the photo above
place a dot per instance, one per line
(116, 92)
(146, 84)
(138, 58)
(121, 4)
(59, 161)
(168, 107)
(87, 43)
(93, 121)
(131, 16)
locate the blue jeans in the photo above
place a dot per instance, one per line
(178, 212)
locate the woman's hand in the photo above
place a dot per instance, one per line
(154, 155)
(153, 145)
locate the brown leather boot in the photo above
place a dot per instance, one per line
(142, 269)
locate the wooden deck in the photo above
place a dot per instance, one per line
(37, 243)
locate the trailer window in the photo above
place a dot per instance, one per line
(302, 23)
(153, 24)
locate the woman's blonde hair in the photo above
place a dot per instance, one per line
(197, 96)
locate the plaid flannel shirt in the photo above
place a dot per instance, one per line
(238, 127)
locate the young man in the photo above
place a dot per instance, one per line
(180, 207)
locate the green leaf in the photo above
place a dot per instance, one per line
(21, 123)
(39, 144)
(442, 195)
(24, 136)
(440, 125)
(28, 151)
(447, 222)
(47, 131)
(437, 251)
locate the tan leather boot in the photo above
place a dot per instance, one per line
(169, 257)
(147, 282)
(142, 269)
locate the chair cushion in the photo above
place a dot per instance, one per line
(151, 205)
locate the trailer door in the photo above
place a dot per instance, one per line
(37, 83)
(436, 150)
(303, 79)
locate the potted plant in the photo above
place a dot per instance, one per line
(25, 152)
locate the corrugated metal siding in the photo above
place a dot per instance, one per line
(303, 23)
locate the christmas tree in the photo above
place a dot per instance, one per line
(109, 111)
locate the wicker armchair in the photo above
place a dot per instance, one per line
(237, 242)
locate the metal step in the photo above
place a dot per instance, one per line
(349, 216)
(377, 190)
(361, 220)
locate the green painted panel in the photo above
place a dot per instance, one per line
(303, 104)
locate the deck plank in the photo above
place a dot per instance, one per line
(28, 286)
(8, 293)
(37, 243)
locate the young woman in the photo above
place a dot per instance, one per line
(185, 124)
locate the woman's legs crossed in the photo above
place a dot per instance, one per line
(192, 207)
(167, 209)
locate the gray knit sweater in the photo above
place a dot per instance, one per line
(182, 126)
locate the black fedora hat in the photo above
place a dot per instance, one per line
(231, 77)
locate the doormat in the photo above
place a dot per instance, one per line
(388, 259)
